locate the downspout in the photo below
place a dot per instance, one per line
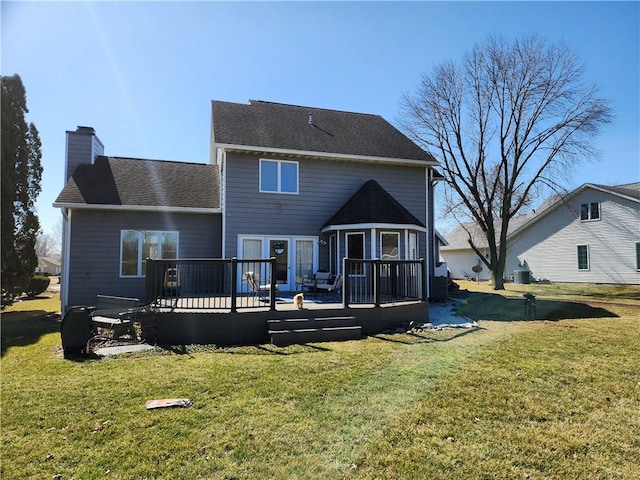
(223, 170)
(429, 236)
(66, 249)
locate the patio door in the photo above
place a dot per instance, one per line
(296, 257)
(305, 265)
(279, 248)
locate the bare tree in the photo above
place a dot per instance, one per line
(50, 244)
(507, 123)
(46, 245)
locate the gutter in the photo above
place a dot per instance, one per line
(328, 156)
(135, 208)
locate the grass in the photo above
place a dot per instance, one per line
(553, 398)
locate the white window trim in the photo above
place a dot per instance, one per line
(590, 219)
(141, 249)
(346, 247)
(279, 177)
(363, 235)
(397, 234)
(588, 258)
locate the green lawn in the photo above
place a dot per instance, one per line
(557, 397)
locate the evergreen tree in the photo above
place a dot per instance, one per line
(21, 172)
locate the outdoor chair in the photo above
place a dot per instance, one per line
(326, 288)
(260, 291)
(319, 279)
(467, 276)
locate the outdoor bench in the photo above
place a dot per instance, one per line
(116, 314)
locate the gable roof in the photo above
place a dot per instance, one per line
(628, 190)
(457, 238)
(140, 184)
(372, 204)
(281, 128)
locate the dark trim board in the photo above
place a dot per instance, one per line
(250, 328)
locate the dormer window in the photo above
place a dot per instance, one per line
(590, 211)
(278, 176)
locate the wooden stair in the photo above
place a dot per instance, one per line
(292, 331)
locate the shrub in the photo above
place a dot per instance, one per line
(39, 284)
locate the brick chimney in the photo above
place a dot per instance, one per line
(83, 146)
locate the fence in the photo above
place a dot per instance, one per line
(210, 284)
(382, 281)
(232, 284)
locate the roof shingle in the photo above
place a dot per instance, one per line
(145, 183)
(372, 204)
(308, 129)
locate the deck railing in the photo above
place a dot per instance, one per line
(382, 281)
(210, 284)
(223, 284)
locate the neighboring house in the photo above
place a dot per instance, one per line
(48, 266)
(308, 186)
(591, 235)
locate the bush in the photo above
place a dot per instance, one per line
(38, 284)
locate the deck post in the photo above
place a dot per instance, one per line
(376, 281)
(422, 278)
(150, 282)
(345, 282)
(234, 285)
(272, 290)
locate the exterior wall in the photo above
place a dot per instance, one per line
(95, 248)
(459, 260)
(324, 186)
(549, 246)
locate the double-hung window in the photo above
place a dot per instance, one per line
(590, 211)
(278, 176)
(138, 245)
(583, 257)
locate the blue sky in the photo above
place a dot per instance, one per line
(143, 73)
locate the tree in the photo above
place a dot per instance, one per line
(507, 123)
(21, 174)
(46, 245)
(50, 244)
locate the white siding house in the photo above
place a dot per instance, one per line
(591, 235)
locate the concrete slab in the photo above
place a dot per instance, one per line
(444, 314)
(119, 349)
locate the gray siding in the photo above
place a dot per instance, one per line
(82, 148)
(324, 186)
(95, 248)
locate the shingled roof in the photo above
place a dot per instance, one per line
(143, 183)
(458, 237)
(372, 204)
(281, 127)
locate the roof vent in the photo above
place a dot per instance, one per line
(310, 118)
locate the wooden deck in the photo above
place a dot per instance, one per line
(249, 326)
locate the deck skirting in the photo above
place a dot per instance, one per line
(250, 328)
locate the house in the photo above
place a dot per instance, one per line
(305, 185)
(48, 266)
(591, 235)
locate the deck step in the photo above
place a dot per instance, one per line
(282, 338)
(291, 331)
(310, 322)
